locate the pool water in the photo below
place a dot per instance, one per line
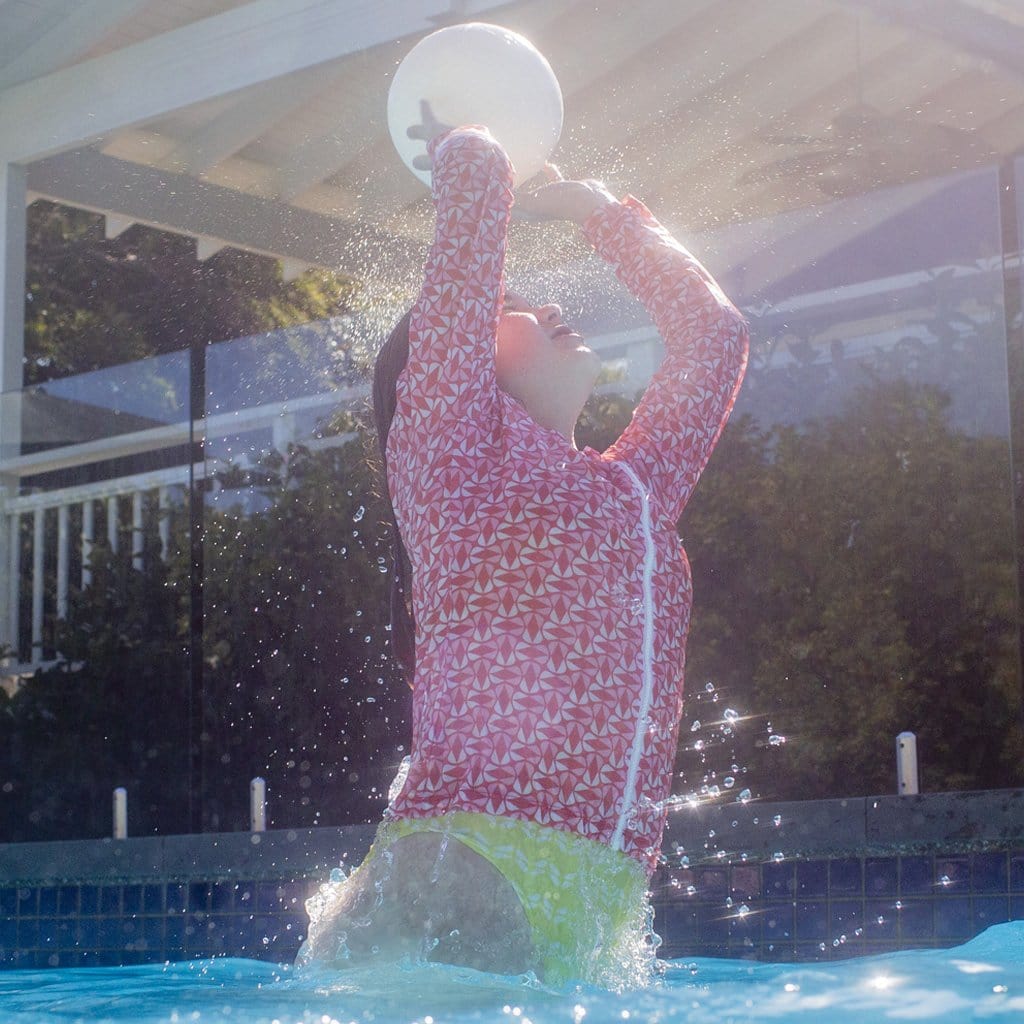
(982, 980)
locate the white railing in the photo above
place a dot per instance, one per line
(103, 506)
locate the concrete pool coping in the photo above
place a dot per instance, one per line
(707, 833)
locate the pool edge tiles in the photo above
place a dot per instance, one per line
(815, 880)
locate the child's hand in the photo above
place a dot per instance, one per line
(428, 128)
(558, 199)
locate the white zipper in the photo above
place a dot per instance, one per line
(646, 692)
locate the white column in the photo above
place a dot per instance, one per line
(112, 523)
(164, 515)
(137, 530)
(88, 526)
(37, 584)
(62, 562)
(13, 589)
(13, 198)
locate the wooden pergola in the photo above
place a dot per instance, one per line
(260, 124)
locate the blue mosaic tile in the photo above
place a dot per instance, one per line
(88, 900)
(8, 932)
(67, 934)
(245, 897)
(8, 902)
(812, 878)
(48, 931)
(678, 923)
(199, 896)
(846, 877)
(990, 910)
(953, 918)
(777, 880)
(28, 932)
(152, 932)
(989, 873)
(847, 916)
(131, 899)
(47, 901)
(712, 923)
(917, 920)
(916, 876)
(811, 920)
(1017, 872)
(713, 882)
(881, 919)
(881, 876)
(778, 921)
(270, 895)
(67, 900)
(88, 932)
(296, 894)
(153, 899)
(110, 899)
(952, 875)
(110, 933)
(222, 897)
(177, 898)
(745, 881)
(174, 937)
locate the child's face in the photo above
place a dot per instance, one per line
(541, 361)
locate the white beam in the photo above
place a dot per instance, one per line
(204, 60)
(12, 350)
(176, 202)
(76, 29)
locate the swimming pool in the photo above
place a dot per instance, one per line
(980, 980)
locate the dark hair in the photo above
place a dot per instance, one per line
(390, 362)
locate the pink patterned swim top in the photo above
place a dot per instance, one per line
(550, 589)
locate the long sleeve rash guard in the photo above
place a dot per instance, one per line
(550, 590)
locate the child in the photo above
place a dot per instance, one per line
(550, 595)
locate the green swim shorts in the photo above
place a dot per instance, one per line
(585, 903)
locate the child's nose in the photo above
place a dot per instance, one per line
(551, 313)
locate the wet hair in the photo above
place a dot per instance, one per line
(390, 362)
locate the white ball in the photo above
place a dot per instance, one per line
(479, 74)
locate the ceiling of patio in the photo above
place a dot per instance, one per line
(712, 111)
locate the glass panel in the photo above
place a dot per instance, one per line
(853, 542)
(297, 685)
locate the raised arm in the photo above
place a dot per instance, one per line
(681, 414)
(448, 391)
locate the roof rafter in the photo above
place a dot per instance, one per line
(176, 202)
(209, 58)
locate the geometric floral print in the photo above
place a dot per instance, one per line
(529, 556)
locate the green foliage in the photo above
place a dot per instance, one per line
(854, 579)
(95, 303)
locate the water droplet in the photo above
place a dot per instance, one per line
(731, 715)
(945, 880)
(745, 798)
(709, 687)
(777, 820)
(728, 782)
(360, 512)
(691, 890)
(775, 740)
(696, 726)
(744, 910)
(778, 857)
